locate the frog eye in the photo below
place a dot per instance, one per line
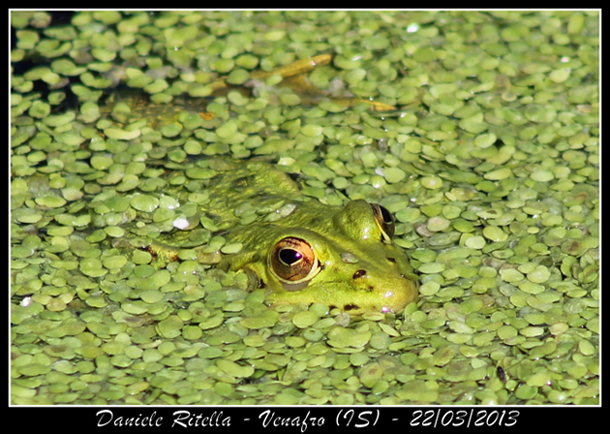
(293, 260)
(385, 221)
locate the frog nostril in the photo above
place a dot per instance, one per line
(359, 273)
(392, 260)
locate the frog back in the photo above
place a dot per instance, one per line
(250, 185)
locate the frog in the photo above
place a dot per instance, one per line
(304, 251)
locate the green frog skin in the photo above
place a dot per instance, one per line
(312, 253)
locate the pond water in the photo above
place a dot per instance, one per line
(479, 131)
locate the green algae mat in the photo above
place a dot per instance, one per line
(478, 131)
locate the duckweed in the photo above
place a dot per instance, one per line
(489, 164)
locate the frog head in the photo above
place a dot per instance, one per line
(340, 257)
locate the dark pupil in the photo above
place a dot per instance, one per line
(289, 256)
